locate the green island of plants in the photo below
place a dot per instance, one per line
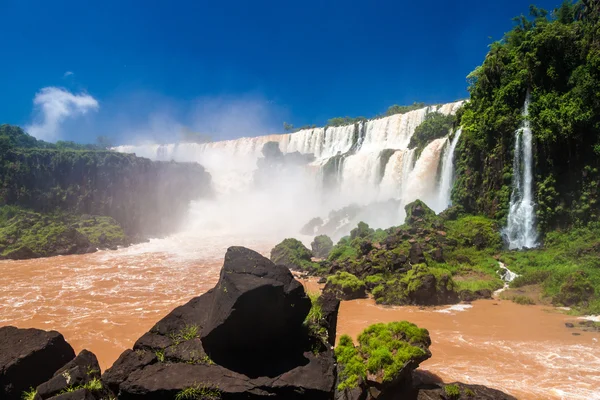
(382, 353)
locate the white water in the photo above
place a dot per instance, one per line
(507, 276)
(447, 176)
(297, 196)
(520, 230)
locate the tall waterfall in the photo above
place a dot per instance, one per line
(372, 163)
(520, 231)
(447, 176)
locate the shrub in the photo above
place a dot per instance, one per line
(29, 394)
(346, 281)
(452, 391)
(198, 392)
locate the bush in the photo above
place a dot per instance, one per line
(452, 391)
(576, 289)
(435, 125)
(523, 300)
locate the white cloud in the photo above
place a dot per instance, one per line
(55, 105)
(68, 73)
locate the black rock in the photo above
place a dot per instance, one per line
(77, 372)
(569, 325)
(416, 254)
(258, 310)
(29, 357)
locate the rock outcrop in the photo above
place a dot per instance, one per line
(245, 338)
(28, 357)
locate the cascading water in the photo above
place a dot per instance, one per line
(520, 231)
(370, 162)
(447, 177)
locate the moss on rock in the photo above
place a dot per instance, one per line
(345, 286)
(293, 254)
(322, 246)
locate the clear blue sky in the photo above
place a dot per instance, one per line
(233, 68)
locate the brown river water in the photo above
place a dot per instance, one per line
(106, 300)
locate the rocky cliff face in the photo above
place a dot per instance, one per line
(145, 197)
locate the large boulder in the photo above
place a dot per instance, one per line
(245, 338)
(258, 310)
(345, 286)
(29, 357)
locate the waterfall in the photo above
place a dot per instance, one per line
(520, 231)
(370, 162)
(447, 176)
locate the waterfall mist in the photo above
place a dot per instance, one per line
(366, 163)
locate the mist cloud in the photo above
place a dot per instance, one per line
(53, 106)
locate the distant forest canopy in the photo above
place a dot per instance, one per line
(342, 121)
(15, 137)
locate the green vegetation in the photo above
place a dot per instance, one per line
(29, 394)
(188, 332)
(322, 246)
(27, 232)
(567, 267)
(383, 351)
(93, 385)
(523, 300)
(346, 285)
(555, 57)
(342, 121)
(198, 392)
(293, 254)
(435, 126)
(314, 319)
(160, 355)
(396, 109)
(452, 391)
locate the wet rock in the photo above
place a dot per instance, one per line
(22, 253)
(77, 372)
(292, 254)
(29, 357)
(345, 286)
(569, 325)
(322, 280)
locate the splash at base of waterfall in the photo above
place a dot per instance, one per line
(507, 276)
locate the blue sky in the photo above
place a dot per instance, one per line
(145, 69)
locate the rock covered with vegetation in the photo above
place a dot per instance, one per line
(321, 246)
(384, 358)
(345, 286)
(293, 254)
(430, 260)
(28, 234)
(256, 333)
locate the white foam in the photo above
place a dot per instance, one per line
(455, 308)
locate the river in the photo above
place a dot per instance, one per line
(106, 300)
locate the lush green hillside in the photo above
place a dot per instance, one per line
(556, 58)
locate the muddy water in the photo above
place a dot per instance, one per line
(105, 301)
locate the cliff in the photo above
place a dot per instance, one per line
(146, 198)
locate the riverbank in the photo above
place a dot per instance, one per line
(106, 300)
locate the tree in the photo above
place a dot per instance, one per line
(288, 127)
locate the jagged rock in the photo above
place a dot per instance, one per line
(469, 295)
(321, 246)
(322, 280)
(311, 226)
(237, 325)
(77, 372)
(29, 357)
(416, 254)
(22, 253)
(330, 306)
(244, 338)
(424, 388)
(345, 286)
(291, 253)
